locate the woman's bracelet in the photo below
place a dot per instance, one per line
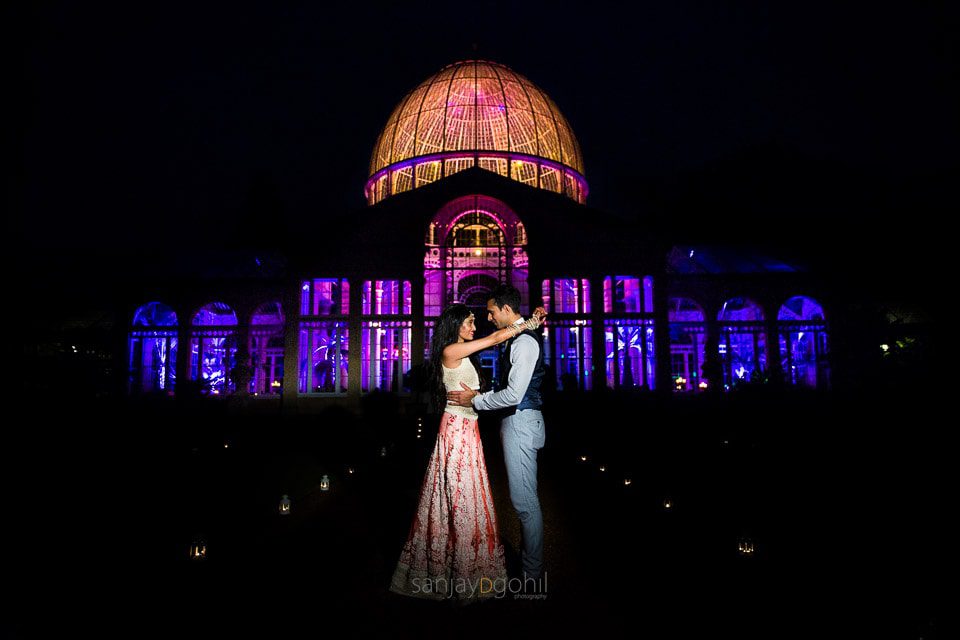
(517, 329)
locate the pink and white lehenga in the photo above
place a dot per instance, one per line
(453, 549)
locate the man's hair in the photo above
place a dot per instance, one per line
(505, 294)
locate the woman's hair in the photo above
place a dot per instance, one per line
(446, 332)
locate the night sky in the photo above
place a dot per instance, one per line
(828, 124)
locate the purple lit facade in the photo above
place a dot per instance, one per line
(472, 244)
(266, 349)
(629, 312)
(152, 349)
(324, 337)
(804, 348)
(213, 348)
(687, 344)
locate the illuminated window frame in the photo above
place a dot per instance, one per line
(332, 338)
(324, 331)
(386, 335)
(633, 335)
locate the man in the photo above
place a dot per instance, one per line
(521, 429)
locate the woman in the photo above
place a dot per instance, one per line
(453, 549)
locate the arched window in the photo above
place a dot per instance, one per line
(475, 242)
(213, 348)
(804, 346)
(152, 350)
(266, 349)
(215, 314)
(687, 344)
(742, 342)
(801, 308)
(470, 235)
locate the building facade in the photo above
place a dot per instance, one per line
(477, 179)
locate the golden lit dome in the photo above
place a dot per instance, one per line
(476, 113)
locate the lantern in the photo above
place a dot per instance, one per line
(285, 505)
(198, 549)
(383, 452)
(325, 483)
(627, 482)
(603, 467)
(583, 458)
(746, 547)
(667, 504)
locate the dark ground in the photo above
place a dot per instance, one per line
(843, 496)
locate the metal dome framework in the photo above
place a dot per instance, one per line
(476, 113)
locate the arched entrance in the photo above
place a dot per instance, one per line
(472, 244)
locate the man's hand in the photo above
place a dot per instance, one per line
(461, 398)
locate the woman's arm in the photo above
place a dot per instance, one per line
(457, 351)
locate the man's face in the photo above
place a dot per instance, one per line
(496, 315)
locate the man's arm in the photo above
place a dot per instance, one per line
(523, 359)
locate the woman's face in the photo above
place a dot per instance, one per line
(468, 328)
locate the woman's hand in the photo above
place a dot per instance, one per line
(533, 323)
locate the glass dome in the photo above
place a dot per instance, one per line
(476, 113)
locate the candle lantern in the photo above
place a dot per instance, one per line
(667, 504)
(627, 482)
(325, 483)
(746, 547)
(198, 549)
(285, 505)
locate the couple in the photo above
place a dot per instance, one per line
(453, 549)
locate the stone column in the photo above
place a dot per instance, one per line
(289, 398)
(775, 373)
(598, 369)
(661, 337)
(354, 325)
(183, 348)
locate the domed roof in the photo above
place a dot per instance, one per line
(476, 113)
